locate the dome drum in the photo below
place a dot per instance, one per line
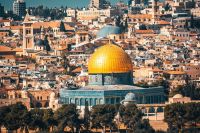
(110, 65)
(111, 79)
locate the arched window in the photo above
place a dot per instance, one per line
(151, 110)
(66, 100)
(71, 100)
(91, 103)
(87, 101)
(100, 101)
(160, 109)
(117, 100)
(38, 105)
(96, 101)
(112, 100)
(107, 100)
(77, 101)
(82, 102)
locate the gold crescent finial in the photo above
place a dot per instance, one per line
(109, 38)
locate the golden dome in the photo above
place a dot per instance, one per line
(109, 59)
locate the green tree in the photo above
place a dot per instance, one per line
(49, 120)
(125, 27)
(118, 21)
(62, 26)
(102, 116)
(25, 120)
(37, 120)
(67, 116)
(129, 2)
(177, 90)
(143, 126)
(167, 7)
(174, 115)
(14, 118)
(86, 118)
(46, 43)
(130, 115)
(46, 12)
(3, 112)
(188, 90)
(192, 113)
(191, 90)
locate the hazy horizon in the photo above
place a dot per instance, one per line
(52, 3)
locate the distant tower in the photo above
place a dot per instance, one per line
(97, 3)
(28, 38)
(154, 11)
(19, 8)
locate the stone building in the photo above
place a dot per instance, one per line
(110, 79)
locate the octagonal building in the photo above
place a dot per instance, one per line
(110, 79)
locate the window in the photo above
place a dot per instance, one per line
(117, 100)
(28, 31)
(112, 100)
(82, 101)
(96, 78)
(101, 101)
(77, 101)
(96, 102)
(27, 41)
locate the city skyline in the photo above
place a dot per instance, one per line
(128, 67)
(53, 3)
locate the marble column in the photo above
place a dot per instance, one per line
(156, 108)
